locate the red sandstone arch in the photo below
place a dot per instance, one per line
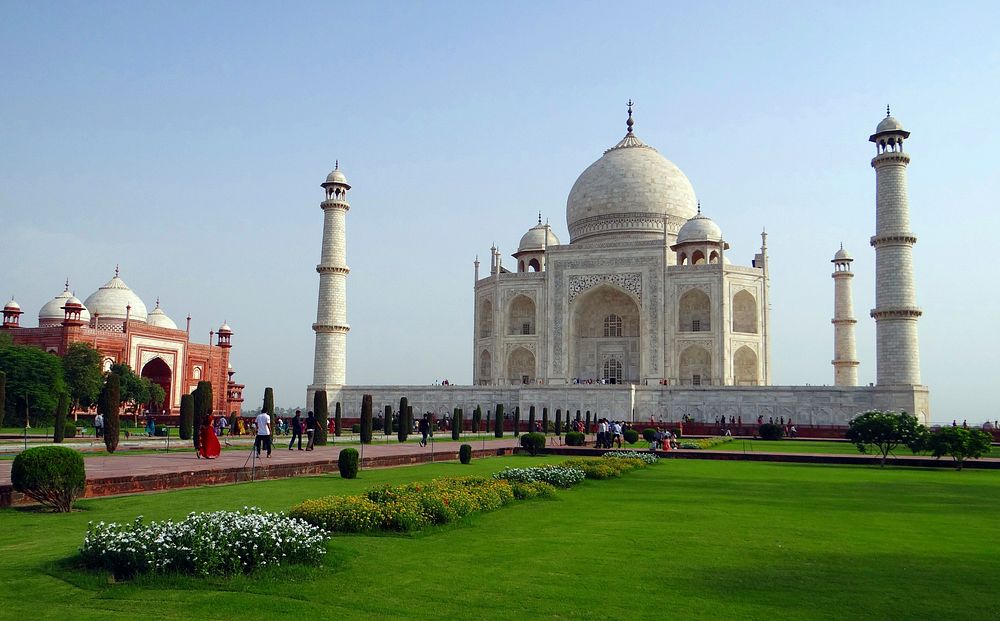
(159, 373)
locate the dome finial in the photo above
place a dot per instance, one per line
(336, 164)
(629, 123)
(67, 284)
(539, 217)
(157, 301)
(116, 270)
(887, 114)
(699, 206)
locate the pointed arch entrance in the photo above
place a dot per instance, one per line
(157, 371)
(604, 336)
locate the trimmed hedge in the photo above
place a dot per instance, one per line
(631, 436)
(770, 431)
(366, 419)
(533, 442)
(347, 463)
(52, 475)
(649, 434)
(498, 422)
(575, 438)
(69, 429)
(465, 454)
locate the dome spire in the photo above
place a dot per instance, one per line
(116, 270)
(699, 206)
(539, 216)
(887, 114)
(67, 284)
(629, 123)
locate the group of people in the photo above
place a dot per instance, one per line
(609, 433)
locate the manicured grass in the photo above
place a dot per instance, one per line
(686, 539)
(807, 446)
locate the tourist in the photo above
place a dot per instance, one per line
(99, 425)
(296, 429)
(425, 428)
(208, 447)
(617, 434)
(792, 432)
(150, 425)
(263, 423)
(311, 426)
(224, 426)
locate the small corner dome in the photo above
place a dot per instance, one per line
(336, 177)
(700, 228)
(842, 255)
(538, 237)
(159, 319)
(13, 306)
(111, 300)
(889, 124)
(225, 329)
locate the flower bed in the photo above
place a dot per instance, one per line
(217, 543)
(534, 489)
(405, 508)
(705, 443)
(648, 458)
(559, 476)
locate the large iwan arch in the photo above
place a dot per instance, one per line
(604, 325)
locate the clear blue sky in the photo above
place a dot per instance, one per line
(186, 141)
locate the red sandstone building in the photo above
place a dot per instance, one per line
(115, 322)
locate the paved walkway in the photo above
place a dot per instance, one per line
(125, 465)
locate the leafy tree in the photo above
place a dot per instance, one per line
(321, 409)
(156, 393)
(82, 372)
(959, 443)
(187, 417)
(881, 432)
(404, 428)
(366, 419)
(269, 409)
(477, 419)
(34, 376)
(61, 411)
(108, 405)
(498, 423)
(134, 390)
(337, 421)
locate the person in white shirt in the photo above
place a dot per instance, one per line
(263, 433)
(99, 425)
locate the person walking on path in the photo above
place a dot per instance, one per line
(263, 438)
(296, 428)
(310, 430)
(425, 427)
(99, 425)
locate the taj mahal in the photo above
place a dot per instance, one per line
(647, 313)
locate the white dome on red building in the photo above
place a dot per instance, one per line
(111, 301)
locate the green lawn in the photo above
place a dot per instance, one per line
(685, 539)
(807, 446)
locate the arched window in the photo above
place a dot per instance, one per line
(534, 266)
(698, 258)
(196, 374)
(485, 368)
(486, 319)
(744, 312)
(612, 325)
(521, 316)
(612, 371)
(694, 312)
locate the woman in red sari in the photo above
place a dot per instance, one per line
(209, 446)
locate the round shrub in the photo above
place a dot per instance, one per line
(69, 429)
(575, 438)
(51, 475)
(648, 434)
(631, 436)
(356, 428)
(347, 462)
(533, 442)
(465, 454)
(770, 431)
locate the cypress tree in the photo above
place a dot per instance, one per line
(108, 405)
(202, 396)
(456, 424)
(388, 420)
(3, 396)
(404, 429)
(531, 419)
(477, 418)
(545, 420)
(366, 419)
(498, 422)
(187, 416)
(587, 429)
(578, 419)
(517, 420)
(321, 408)
(487, 421)
(61, 411)
(337, 421)
(267, 409)
(409, 421)
(558, 422)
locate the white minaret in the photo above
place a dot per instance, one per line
(896, 311)
(330, 364)
(845, 351)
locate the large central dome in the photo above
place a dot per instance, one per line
(627, 194)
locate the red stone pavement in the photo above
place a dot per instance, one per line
(125, 465)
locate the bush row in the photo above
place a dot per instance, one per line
(405, 508)
(559, 476)
(705, 443)
(204, 544)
